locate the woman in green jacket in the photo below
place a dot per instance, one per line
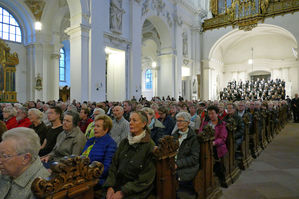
(132, 171)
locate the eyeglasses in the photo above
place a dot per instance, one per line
(180, 121)
(4, 156)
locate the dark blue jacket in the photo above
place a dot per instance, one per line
(169, 124)
(102, 151)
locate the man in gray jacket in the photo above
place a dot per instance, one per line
(120, 127)
(69, 142)
(19, 163)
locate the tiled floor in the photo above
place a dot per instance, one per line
(274, 174)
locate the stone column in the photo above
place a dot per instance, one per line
(53, 81)
(79, 64)
(135, 69)
(208, 81)
(166, 80)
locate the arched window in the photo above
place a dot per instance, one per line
(62, 67)
(148, 79)
(9, 27)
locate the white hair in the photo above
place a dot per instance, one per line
(37, 112)
(11, 110)
(27, 141)
(102, 112)
(185, 115)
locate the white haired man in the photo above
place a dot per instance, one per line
(120, 127)
(19, 163)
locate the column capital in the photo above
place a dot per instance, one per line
(81, 29)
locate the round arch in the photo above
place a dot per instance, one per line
(162, 28)
(24, 18)
(79, 8)
(236, 35)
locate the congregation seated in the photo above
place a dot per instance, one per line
(19, 163)
(132, 171)
(157, 129)
(35, 116)
(9, 116)
(219, 144)
(187, 159)
(101, 147)
(69, 142)
(54, 116)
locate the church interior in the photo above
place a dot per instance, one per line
(218, 76)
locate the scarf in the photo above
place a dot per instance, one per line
(183, 135)
(135, 139)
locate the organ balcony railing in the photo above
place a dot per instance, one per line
(246, 14)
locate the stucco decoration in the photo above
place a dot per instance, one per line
(36, 7)
(116, 14)
(158, 5)
(185, 44)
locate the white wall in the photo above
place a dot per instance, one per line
(21, 80)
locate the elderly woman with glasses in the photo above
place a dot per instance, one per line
(132, 172)
(19, 163)
(188, 157)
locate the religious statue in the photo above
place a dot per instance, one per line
(185, 44)
(116, 13)
(38, 83)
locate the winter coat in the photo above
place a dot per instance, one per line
(158, 131)
(188, 157)
(102, 151)
(11, 123)
(133, 170)
(220, 137)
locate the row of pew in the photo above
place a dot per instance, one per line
(75, 177)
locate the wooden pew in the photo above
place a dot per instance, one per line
(166, 182)
(205, 183)
(263, 140)
(255, 147)
(72, 177)
(246, 155)
(230, 162)
(272, 123)
(268, 126)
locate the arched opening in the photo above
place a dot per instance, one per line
(240, 56)
(157, 57)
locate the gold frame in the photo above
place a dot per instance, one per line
(8, 61)
(266, 8)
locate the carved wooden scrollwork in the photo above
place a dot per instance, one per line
(208, 133)
(231, 125)
(69, 172)
(167, 147)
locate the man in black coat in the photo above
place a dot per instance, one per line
(240, 130)
(295, 107)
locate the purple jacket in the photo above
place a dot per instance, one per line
(220, 137)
